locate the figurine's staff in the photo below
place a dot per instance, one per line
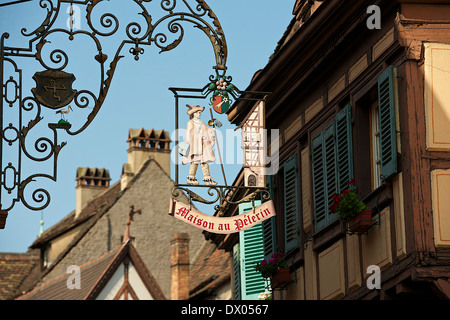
(213, 122)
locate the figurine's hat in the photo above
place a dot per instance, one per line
(193, 109)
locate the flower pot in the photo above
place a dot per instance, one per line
(280, 278)
(361, 222)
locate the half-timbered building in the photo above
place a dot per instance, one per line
(358, 91)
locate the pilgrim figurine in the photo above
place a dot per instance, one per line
(201, 141)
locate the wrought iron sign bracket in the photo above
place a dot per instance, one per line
(220, 194)
(53, 89)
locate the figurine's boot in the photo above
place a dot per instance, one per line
(206, 177)
(191, 177)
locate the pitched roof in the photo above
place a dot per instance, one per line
(303, 9)
(88, 217)
(95, 275)
(97, 206)
(209, 270)
(56, 289)
(14, 269)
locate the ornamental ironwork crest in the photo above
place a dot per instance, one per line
(54, 88)
(22, 108)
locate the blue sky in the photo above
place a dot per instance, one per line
(138, 96)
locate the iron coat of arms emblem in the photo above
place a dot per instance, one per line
(54, 88)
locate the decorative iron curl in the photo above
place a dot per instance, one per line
(165, 5)
(221, 195)
(160, 38)
(41, 145)
(107, 21)
(81, 100)
(47, 23)
(56, 59)
(38, 196)
(176, 191)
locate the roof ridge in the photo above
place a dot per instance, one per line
(84, 230)
(121, 250)
(46, 283)
(74, 222)
(94, 218)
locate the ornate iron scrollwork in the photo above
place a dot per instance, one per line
(222, 195)
(54, 85)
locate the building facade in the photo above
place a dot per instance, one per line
(96, 226)
(358, 91)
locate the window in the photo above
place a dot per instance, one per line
(248, 283)
(291, 225)
(269, 227)
(375, 146)
(332, 165)
(290, 200)
(388, 133)
(375, 125)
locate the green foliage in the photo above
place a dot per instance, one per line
(347, 203)
(267, 268)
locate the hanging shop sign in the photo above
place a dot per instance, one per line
(222, 225)
(196, 150)
(55, 88)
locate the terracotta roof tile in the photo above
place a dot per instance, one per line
(57, 289)
(100, 203)
(210, 267)
(94, 275)
(14, 268)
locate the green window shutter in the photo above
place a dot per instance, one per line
(344, 149)
(388, 142)
(319, 183)
(269, 237)
(332, 165)
(269, 231)
(237, 272)
(251, 250)
(330, 168)
(291, 226)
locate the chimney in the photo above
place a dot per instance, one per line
(179, 265)
(90, 182)
(142, 145)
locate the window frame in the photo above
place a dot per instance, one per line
(375, 150)
(291, 164)
(340, 132)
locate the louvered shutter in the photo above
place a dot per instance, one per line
(269, 231)
(237, 272)
(332, 165)
(291, 226)
(330, 168)
(319, 187)
(388, 143)
(251, 250)
(344, 149)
